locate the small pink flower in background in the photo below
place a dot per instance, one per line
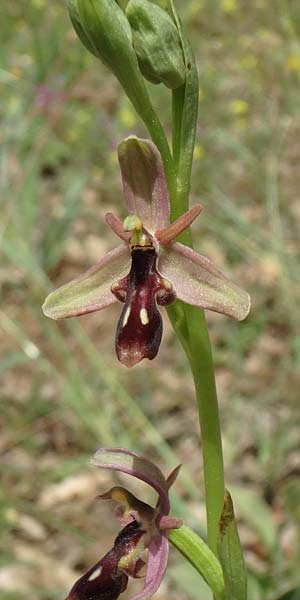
(149, 268)
(47, 98)
(144, 531)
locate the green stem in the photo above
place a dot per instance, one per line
(201, 361)
(177, 110)
(158, 136)
(188, 321)
(190, 326)
(184, 121)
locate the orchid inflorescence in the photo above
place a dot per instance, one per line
(149, 268)
(144, 529)
(138, 40)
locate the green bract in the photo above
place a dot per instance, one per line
(157, 43)
(103, 28)
(230, 554)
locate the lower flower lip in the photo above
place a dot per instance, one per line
(132, 356)
(140, 326)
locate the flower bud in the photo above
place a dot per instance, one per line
(103, 28)
(157, 43)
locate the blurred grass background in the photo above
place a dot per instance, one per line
(63, 393)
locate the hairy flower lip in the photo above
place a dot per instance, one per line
(189, 276)
(109, 576)
(139, 329)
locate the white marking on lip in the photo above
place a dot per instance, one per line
(95, 574)
(126, 316)
(144, 316)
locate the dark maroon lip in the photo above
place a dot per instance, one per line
(105, 580)
(140, 327)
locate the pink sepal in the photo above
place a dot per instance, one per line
(197, 281)
(90, 291)
(132, 463)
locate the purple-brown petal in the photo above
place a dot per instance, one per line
(144, 182)
(90, 291)
(197, 281)
(140, 327)
(158, 551)
(117, 226)
(106, 580)
(165, 523)
(173, 476)
(132, 463)
(167, 235)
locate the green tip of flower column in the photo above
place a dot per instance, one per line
(133, 223)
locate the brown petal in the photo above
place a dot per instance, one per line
(165, 236)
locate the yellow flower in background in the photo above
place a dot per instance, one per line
(293, 62)
(229, 6)
(238, 107)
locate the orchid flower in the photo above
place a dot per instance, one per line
(149, 267)
(144, 530)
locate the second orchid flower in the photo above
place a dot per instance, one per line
(144, 531)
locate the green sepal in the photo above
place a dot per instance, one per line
(157, 43)
(75, 20)
(230, 554)
(200, 556)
